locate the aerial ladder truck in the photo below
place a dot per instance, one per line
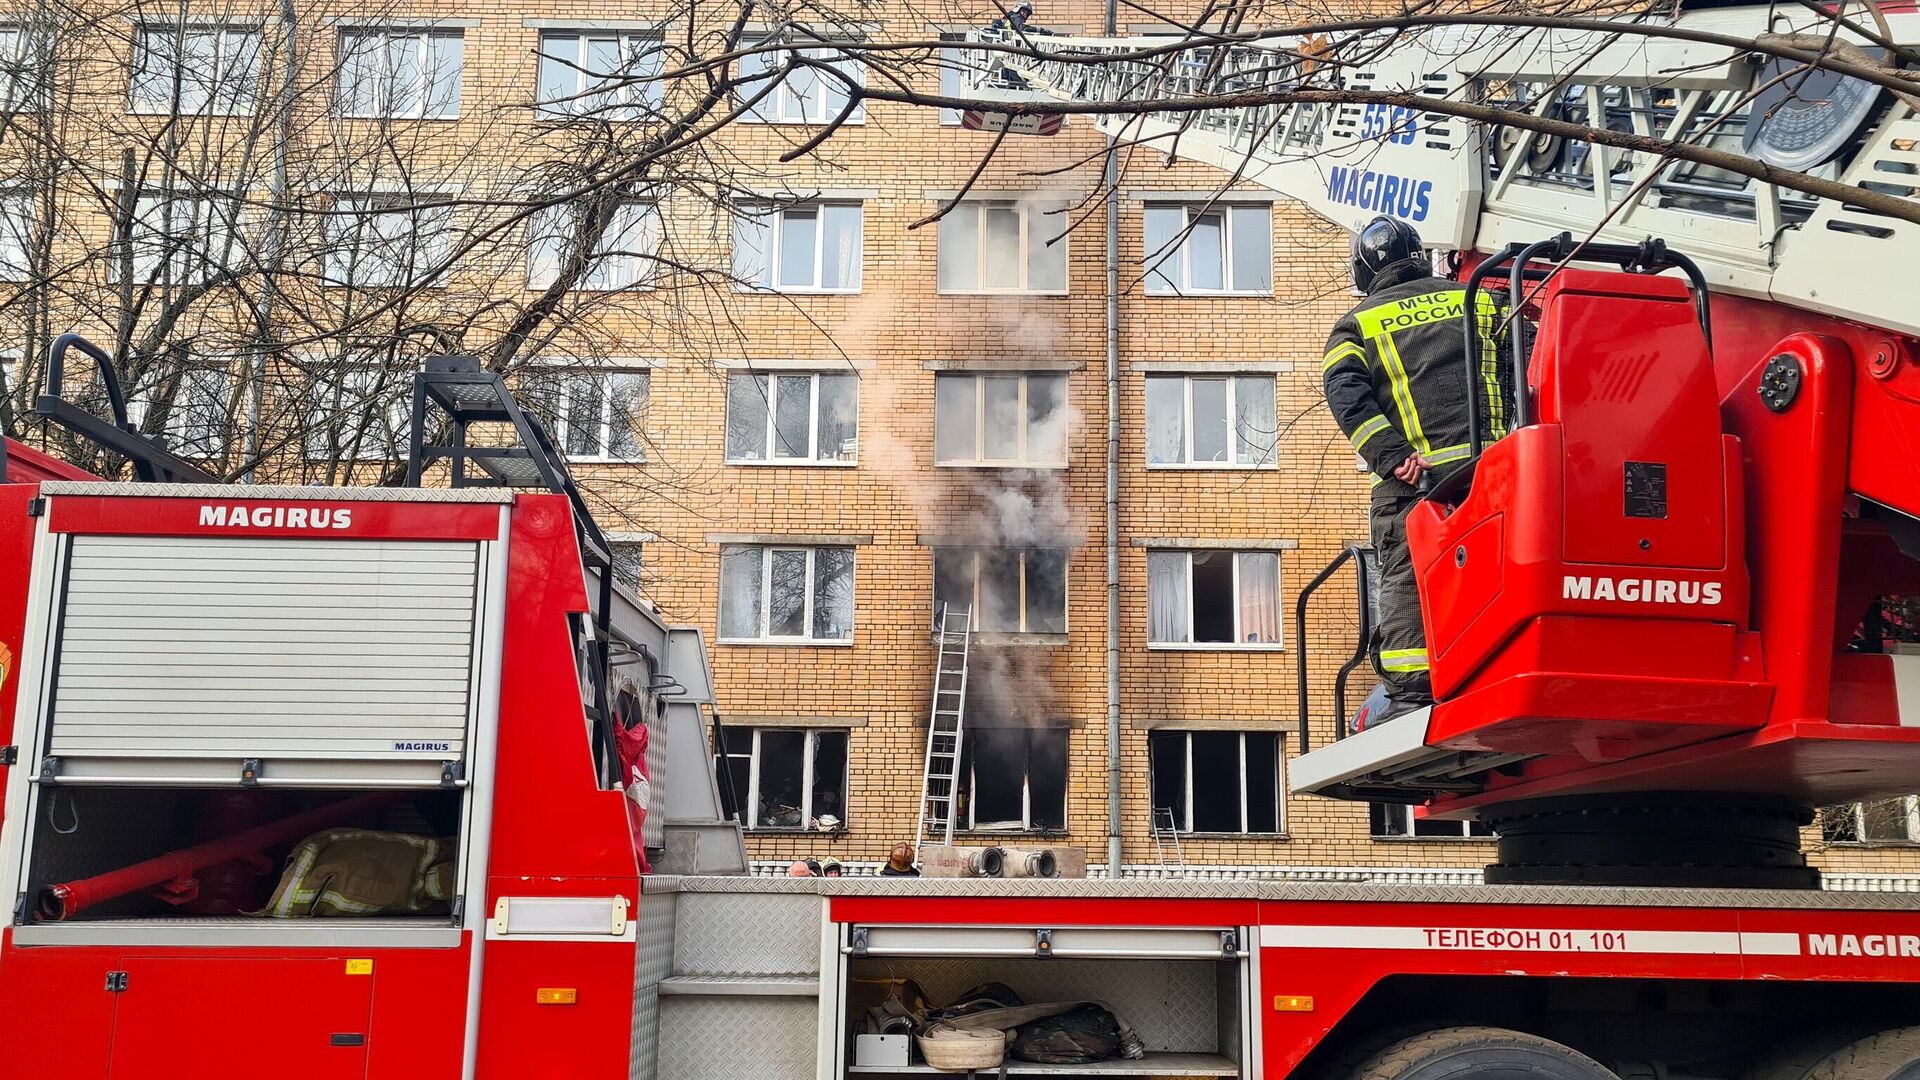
(1715, 425)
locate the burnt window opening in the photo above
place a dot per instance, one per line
(1218, 781)
(786, 778)
(1009, 590)
(1014, 779)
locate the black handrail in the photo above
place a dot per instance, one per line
(152, 463)
(1359, 556)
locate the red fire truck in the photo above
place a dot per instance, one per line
(1641, 605)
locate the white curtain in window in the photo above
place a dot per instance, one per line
(1259, 598)
(741, 574)
(840, 260)
(1166, 420)
(1255, 425)
(1162, 224)
(752, 234)
(1169, 607)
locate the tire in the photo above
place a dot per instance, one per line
(1480, 1053)
(1795, 1058)
(1890, 1055)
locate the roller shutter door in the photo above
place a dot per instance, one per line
(182, 657)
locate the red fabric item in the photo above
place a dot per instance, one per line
(631, 745)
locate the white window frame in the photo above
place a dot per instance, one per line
(809, 756)
(1236, 645)
(350, 261)
(212, 225)
(812, 458)
(633, 545)
(399, 414)
(1032, 233)
(422, 91)
(175, 428)
(1026, 824)
(1406, 814)
(1233, 423)
(23, 92)
(222, 99)
(565, 379)
(1279, 779)
(784, 105)
(1179, 258)
(1026, 459)
(19, 218)
(978, 556)
(623, 255)
(952, 78)
(1859, 813)
(632, 93)
(765, 637)
(773, 220)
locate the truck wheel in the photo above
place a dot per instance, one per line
(1480, 1053)
(1890, 1055)
(1794, 1059)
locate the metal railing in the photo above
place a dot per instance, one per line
(1361, 557)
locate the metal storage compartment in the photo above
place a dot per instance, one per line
(277, 661)
(1183, 990)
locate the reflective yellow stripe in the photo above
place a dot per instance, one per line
(1447, 454)
(1402, 393)
(1487, 313)
(1403, 659)
(1341, 352)
(1367, 431)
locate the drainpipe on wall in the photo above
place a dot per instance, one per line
(277, 222)
(1113, 488)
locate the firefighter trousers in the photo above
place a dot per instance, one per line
(1399, 645)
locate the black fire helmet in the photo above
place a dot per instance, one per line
(1379, 244)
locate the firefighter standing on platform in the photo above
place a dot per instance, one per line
(1396, 383)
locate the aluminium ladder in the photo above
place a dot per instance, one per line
(1165, 831)
(940, 778)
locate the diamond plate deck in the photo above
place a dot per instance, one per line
(764, 1038)
(746, 933)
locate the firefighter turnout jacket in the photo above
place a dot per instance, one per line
(1395, 381)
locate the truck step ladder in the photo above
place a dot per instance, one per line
(940, 779)
(1165, 832)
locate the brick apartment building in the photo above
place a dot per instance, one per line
(888, 419)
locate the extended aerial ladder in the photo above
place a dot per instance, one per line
(1468, 188)
(1638, 606)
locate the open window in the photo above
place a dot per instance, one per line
(788, 778)
(1009, 590)
(1222, 599)
(1014, 779)
(1218, 781)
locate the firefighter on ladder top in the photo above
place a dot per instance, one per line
(1395, 380)
(1013, 27)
